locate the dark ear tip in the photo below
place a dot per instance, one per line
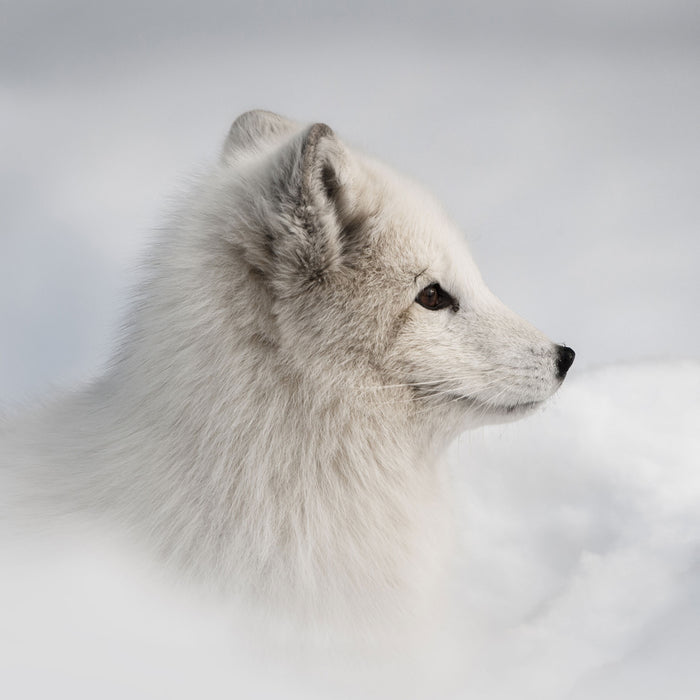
(315, 165)
(317, 132)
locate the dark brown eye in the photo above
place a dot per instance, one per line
(434, 297)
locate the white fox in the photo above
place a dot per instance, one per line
(311, 334)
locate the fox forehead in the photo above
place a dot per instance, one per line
(414, 234)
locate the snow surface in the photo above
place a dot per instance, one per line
(578, 576)
(582, 539)
(562, 137)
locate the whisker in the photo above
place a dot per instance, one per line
(447, 390)
(403, 384)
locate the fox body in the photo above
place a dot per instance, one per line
(310, 334)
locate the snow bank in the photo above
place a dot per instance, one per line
(578, 575)
(582, 533)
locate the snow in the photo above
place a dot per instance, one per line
(582, 537)
(562, 139)
(578, 574)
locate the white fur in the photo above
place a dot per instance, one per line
(273, 419)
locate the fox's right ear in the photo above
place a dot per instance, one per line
(254, 130)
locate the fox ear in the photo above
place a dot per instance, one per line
(312, 190)
(254, 130)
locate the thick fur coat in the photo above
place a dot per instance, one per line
(310, 335)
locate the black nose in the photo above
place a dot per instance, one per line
(565, 358)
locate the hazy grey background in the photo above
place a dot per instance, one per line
(561, 137)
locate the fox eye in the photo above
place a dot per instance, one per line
(434, 297)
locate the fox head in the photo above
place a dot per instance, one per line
(364, 283)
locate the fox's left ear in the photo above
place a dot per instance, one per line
(311, 205)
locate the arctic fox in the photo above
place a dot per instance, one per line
(310, 335)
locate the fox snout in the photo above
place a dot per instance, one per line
(565, 358)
